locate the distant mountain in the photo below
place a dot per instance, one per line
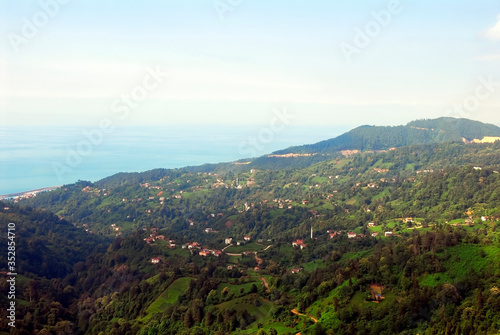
(425, 131)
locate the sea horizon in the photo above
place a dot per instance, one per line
(34, 157)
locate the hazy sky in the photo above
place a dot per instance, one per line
(234, 61)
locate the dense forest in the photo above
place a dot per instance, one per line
(427, 131)
(400, 241)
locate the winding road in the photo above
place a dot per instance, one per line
(296, 312)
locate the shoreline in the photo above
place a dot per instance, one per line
(28, 193)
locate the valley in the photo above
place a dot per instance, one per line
(402, 240)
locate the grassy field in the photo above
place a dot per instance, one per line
(319, 180)
(410, 166)
(254, 305)
(236, 289)
(382, 194)
(324, 309)
(354, 255)
(463, 259)
(168, 298)
(311, 266)
(247, 247)
(247, 303)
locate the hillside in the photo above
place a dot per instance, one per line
(405, 241)
(438, 202)
(428, 131)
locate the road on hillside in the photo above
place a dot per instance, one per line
(296, 312)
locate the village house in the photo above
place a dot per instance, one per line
(154, 230)
(371, 224)
(334, 234)
(295, 271)
(160, 237)
(204, 253)
(299, 243)
(155, 260)
(374, 234)
(193, 245)
(216, 253)
(389, 233)
(247, 238)
(351, 235)
(209, 230)
(149, 240)
(228, 240)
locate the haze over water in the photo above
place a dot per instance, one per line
(29, 153)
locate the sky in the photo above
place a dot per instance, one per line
(235, 62)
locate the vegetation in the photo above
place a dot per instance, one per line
(425, 259)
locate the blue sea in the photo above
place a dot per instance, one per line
(32, 158)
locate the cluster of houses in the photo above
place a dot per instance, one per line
(148, 186)
(154, 236)
(210, 231)
(229, 240)
(202, 251)
(299, 244)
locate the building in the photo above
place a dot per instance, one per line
(334, 234)
(389, 233)
(156, 260)
(204, 253)
(229, 240)
(299, 243)
(247, 238)
(351, 235)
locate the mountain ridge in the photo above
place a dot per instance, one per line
(424, 131)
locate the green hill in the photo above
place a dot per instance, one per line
(417, 132)
(424, 259)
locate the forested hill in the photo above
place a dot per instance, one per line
(405, 241)
(427, 131)
(46, 245)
